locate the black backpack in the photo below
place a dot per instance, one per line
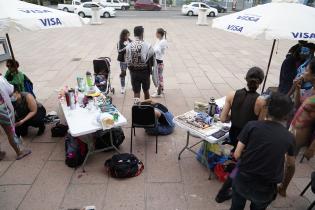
(124, 166)
(103, 138)
(76, 151)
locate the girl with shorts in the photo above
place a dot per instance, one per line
(121, 47)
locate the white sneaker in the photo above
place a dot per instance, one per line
(123, 90)
(156, 95)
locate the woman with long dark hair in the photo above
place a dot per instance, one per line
(240, 107)
(121, 47)
(159, 49)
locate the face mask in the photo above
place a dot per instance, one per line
(13, 98)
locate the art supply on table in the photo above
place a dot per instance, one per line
(81, 84)
(89, 79)
(67, 95)
(71, 93)
(212, 108)
(200, 107)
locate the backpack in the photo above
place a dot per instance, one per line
(28, 85)
(76, 151)
(103, 138)
(124, 166)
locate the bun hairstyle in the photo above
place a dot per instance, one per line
(254, 77)
(162, 32)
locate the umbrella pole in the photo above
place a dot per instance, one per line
(10, 46)
(268, 67)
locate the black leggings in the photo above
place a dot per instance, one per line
(36, 121)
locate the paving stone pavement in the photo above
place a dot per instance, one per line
(201, 62)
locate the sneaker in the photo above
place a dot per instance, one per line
(41, 130)
(156, 95)
(123, 90)
(223, 197)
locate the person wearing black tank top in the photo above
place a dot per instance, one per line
(242, 106)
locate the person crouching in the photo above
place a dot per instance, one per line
(28, 112)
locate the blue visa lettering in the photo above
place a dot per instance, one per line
(50, 21)
(235, 28)
(303, 35)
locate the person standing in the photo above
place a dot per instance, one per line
(140, 60)
(121, 47)
(160, 49)
(7, 119)
(261, 150)
(244, 105)
(288, 70)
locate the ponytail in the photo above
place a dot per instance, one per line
(162, 32)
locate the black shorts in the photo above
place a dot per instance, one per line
(140, 78)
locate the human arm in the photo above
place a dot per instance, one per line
(261, 108)
(239, 150)
(243, 140)
(297, 93)
(225, 114)
(32, 106)
(8, 87)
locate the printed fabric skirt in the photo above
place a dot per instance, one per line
(5, 115)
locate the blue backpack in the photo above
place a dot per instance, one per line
(28, 85)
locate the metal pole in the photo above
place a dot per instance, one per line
(10, 46)
(268, 67)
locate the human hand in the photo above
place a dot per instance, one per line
(21, 122)
(297, 83)
(309, 153)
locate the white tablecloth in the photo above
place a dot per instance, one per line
(82, 121)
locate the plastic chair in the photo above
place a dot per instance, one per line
(143, 116)
(312, 183)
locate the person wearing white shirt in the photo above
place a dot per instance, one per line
(160, 49)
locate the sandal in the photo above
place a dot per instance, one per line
(24, 154)
(2, 155)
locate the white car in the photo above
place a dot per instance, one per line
(193, 9)
(84, 10)
(69, 7)
(117, 4)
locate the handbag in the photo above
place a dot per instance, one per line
(124, 166)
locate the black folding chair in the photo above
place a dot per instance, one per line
(312, 185)
(143, 116)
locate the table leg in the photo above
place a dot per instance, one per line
(111, 141)
(90, 145)
(186, 146)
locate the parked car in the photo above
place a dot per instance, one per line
(147, 5)
(69, 7)
(117, 4)
(219, 7)
(85, 9)
(193, 9)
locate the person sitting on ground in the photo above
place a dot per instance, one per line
(165, 119)
(288, 70)
(7, 119)
(261, 151)
(28, 112)
(240, 107)
(140, 60)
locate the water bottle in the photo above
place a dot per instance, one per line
(89, 79)
(212, 107)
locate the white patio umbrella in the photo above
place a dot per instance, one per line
(272, 21)
(18, 15)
